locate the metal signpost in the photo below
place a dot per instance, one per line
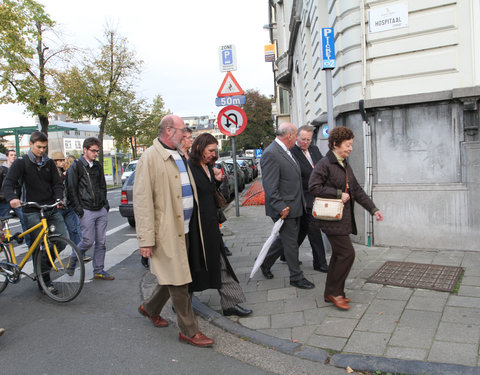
(328, 63)
(232, 120)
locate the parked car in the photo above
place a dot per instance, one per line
(126, 200)
(246, 169)
(252, 162)
(227, 188)
(241, 175)
(129, 170)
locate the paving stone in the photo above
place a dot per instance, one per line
(300, 304)
(456, 332)
(315, 316)
(469, 291)
(338, 327)
(450, 352)
(426, 303)
(303, 333)
(356, 311)
(294, 319)
(267, 308)
(383, 323)
(471, 280)
(394, 293)
(281, 294)
(463, 315)
(406, 353)
(372, 286)
(386, 307)
(327, 342)
(463, 301)
(257, 296)
(420, 319)
(370, 343)
(275, 283)
(360, 296)
(431, 293)
(412, 337)
(256, 322)
(283, 333)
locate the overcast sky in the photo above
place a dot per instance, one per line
(178, 42)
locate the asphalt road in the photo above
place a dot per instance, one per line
(101, 332)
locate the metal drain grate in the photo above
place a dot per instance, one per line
(417, 275)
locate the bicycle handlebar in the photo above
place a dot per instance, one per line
(41, 206)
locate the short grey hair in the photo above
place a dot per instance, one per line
(306, 128)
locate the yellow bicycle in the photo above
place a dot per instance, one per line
(57, 265)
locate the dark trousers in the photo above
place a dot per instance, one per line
(343, 255)
(286, 243)
(314, 237)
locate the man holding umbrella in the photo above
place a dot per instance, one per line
(282, 183)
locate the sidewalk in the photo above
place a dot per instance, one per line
(390, 329)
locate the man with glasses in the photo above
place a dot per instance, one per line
(87, 194)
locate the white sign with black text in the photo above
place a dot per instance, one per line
(387, 18)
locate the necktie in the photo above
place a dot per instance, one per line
(309, 158)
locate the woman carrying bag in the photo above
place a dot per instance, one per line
(333, 178)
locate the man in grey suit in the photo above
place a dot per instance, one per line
(282, 183)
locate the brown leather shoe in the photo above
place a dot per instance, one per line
(199, 339)
(158, 321)
(346, 299)
(339, 302)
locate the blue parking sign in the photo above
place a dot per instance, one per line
(227, 58)
(328, 48)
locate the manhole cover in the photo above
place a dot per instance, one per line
(417, 275)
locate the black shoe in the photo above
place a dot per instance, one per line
(237, 310)
(323, 268)
(267, 273)
(302, 284)
(227, 251)
(144, 262)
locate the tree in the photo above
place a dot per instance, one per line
(259, 131)
(26, 75)
(149, 129)
(103, 83)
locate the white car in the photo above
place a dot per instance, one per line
(129, 170)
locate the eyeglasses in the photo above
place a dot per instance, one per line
(94, 150)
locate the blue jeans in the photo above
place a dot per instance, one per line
(94, 229)
(73, 224)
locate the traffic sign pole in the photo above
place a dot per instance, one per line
(235, 174)
(328, 63)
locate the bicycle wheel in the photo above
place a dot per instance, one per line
(66, 282)
(4, 257)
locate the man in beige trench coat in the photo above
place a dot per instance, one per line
(164, 193)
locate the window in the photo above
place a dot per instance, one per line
(68, 144)
(78, 144)
(284, 101)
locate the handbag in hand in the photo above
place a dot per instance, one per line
(329, 209)
(220, 199)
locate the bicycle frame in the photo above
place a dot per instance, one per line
(42, 235)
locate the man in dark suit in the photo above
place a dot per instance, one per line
(307, 155)
(281, 179)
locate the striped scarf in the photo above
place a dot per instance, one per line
(187, 191)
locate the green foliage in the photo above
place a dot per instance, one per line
(259, 131)
(26, 75)
(149, 127)
(3, 149)
(103, 85)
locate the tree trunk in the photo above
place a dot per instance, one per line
(101, 132)
(43, 123)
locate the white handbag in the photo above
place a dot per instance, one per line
(329, 209)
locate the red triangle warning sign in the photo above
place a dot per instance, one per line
(229, 87)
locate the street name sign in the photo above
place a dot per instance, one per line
(328, 48)
(228, 58)
(232, 120)
(231, 100)
(229, 87)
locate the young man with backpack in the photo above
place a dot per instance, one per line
(87, 194)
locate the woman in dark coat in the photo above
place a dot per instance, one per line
(217, 272)
(333, 177)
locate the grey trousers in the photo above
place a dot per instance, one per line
(94, 229)
(187, 321)
(231, 292)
